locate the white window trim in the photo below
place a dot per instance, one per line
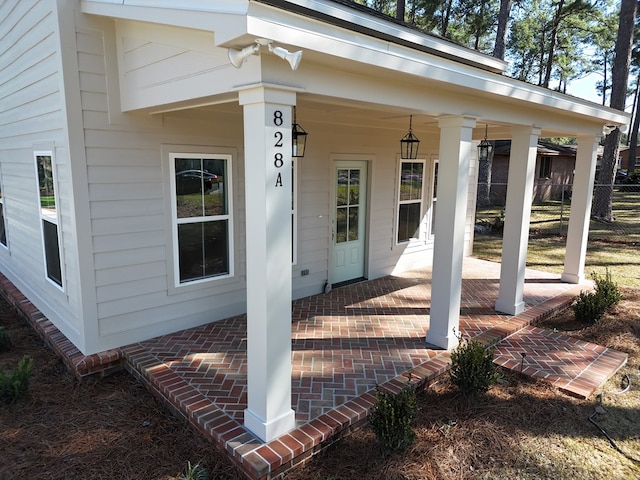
(175, 221)
(48, 217)
(421, 240)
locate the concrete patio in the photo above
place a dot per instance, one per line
(345, 343)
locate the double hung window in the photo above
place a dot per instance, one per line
(49, 217)
(410, 201)
(202, 221)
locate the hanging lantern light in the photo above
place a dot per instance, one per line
(485, 147)
(409, 143)
(298, 138)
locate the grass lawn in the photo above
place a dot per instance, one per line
(614, 246)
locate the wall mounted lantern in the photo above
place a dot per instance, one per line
(298, 138)
(485, 147)
(409, 144)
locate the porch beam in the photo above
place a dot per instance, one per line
(522, 168)
(448, 253)
(267, 154)
(581, 198)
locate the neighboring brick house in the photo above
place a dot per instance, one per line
(554, 170)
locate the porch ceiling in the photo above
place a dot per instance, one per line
(370, 80)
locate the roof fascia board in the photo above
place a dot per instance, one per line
(224, 16)
(352, 19)
(381, 54)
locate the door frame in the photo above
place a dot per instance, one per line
(368, 160)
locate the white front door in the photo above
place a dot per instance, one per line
(349, 221)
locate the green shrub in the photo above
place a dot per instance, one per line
(14, 383)
(392, 417)
(591, 307)
(472, 367)
(607, 289)
(194, 472)
(5, 342)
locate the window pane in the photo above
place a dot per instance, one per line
(215, 187)
(45, 181)
(435, 180)
(3, 233)
(200, 187)
(411, 181)
(408, 221)
(52, 251)
(203, 249)
(353, 223)
(433, 217)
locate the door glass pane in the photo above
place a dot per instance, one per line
(342, 187)
(408, 221)
(353, 223)
(341, 225)
(203, 249)
(354, 187)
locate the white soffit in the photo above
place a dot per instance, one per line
(308, 24)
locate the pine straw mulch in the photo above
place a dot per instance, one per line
(521, 429)
(107, 428)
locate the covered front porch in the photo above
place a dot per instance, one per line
(348, 342)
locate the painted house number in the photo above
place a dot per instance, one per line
(278, 160)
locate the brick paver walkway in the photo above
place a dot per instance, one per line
(347, 342)
(344, 344)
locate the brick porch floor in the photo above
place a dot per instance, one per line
(344, 344)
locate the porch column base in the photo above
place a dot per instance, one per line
(267, 431)
(572, 278)
(509, 308)
(447, 342)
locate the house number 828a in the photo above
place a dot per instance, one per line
(278, 160)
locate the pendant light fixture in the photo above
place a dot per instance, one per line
(409, 143)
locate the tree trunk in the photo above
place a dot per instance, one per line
(602, 206)
(501, 35)
(483, 198)
(552, 44)
(633, 135)
(400, 10)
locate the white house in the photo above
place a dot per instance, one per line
(147, 181)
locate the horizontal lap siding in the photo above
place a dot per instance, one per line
(31, 117)
(130, 214)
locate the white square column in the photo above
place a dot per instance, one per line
(515, 238)
(448, 249)
(581, 198)
(267, 153)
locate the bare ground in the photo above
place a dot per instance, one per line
(112, 428)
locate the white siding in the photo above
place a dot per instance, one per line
(32, 118)
(120, 169)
